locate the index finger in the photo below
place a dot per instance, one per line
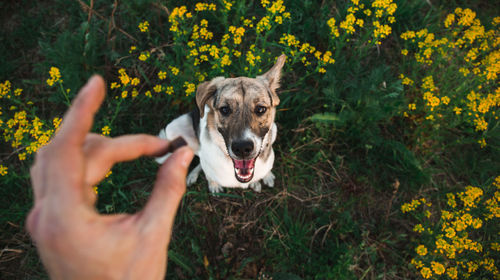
(79, 118)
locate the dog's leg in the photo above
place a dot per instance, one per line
(214, 187)
(268, 180)
(256, 186)
(193, 175)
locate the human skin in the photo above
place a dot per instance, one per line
(75, 241)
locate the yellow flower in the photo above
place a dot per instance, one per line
(412, 106)
(452, 272)
(162, 75)
(214, 51)
(251, 58)
(348, 24)
(148, 94)
(95, 189)
(225, 61)
(457, 110)
(55, 76)
(445, 100)
(144, 56)
(451, 200)
(174, 70)
(3, 170)
(56, 122)
(157, 88)
(449, 20)
(459, 225)
(204, 6)
(124, 94)
(237, 33)
(408, 35)
(22, 156)
(438, 268)
(404, 52)
(450, 232)
(408, 207)
(105, 130)
(190, 88)
(421, 250)
(144, 26)
(135, 81)
(476, 223)
(132, 48)
(426, 272)
(480, 124)
(482, 143)
(427, 213)
(263, 24)
(418, 228)
(466, 16)
(169, 90)
(227, 4)
(381, 30)
(333, 29)
(124, 78)
(134, 93)
(114, 85)
(290, 40)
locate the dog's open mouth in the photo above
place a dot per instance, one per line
(243, 169)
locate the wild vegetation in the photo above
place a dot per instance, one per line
(387, 152)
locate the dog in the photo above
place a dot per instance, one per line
(232, 130)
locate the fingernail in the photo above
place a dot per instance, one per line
(176, 144)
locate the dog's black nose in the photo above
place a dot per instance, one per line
(242, 149)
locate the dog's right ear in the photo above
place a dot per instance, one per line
(204, 92)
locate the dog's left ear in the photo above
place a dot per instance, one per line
(272, 78)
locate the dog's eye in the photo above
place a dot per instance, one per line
(260, 110)
(225, 110)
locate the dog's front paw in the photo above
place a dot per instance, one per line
(256, 186)
(214, 187)
(193, 175)
(269, 179)
(191, 179)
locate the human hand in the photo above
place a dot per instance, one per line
(73, 240)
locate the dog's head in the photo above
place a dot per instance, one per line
(241, 113)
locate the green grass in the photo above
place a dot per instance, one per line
(346, 159)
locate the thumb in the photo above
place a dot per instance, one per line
(170, 186)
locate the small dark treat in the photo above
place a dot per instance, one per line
(172, 146)
(176, 144)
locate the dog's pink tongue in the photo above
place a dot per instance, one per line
(244, 164)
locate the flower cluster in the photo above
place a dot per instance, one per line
(307, 53)
(275, 13)
(376, 16)
(55, 76)
(23, 130)
(3, 170)
(144, 26)
(177, 16)
(466, 93)
(457, 246)
(126, 84)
